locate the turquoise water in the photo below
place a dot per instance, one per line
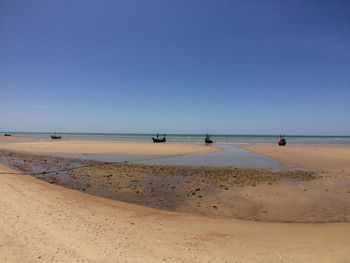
(198, 138)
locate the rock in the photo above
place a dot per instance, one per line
(215, 207)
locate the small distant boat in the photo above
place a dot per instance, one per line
(56, 136)
(207, 139)
(157, 139)
(282, 141)
(7, 134)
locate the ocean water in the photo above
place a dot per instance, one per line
(197, 138)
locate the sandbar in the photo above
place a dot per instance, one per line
(108, 147)
(315, 157)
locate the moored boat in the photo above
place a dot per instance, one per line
(282, 141)
(207, 139)
(56, 136)
(7, 134)
(158, 139)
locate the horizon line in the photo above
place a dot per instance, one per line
(148, 133)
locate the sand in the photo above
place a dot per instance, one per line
(108, 147)
(41, 222)
(253, 194)
(325, 158)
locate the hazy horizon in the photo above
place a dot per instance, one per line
(190, 134)
(226, 67)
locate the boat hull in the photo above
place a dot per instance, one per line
(156, 140)
(282, 142)
(208, 141)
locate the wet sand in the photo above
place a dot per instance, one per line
(42, 222)
(326, 158)
(253, 194)
(108, 147)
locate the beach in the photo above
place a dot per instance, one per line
(168, 131)
(42, 222)
(88, 210)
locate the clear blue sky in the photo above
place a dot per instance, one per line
(237, 67)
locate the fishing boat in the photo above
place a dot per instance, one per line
(282, 141)
(7, 134)
(56, 136)
(207, 139)
(158, 139)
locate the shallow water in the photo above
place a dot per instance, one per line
(196, 138)
(230, 155)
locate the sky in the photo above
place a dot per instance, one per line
(227, 67)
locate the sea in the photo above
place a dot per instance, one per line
(196, 138)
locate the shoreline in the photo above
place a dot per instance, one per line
(43, 222)
(152, 213)
(211, 191)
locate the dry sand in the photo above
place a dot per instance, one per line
(326, 158)
(47, 223)
(108, 147)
